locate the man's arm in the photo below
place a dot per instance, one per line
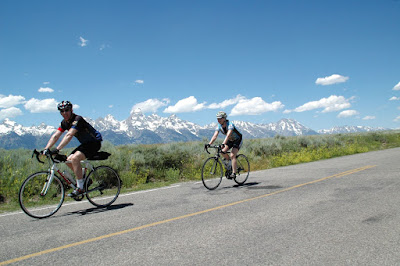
(53, 139)
(214, 137)
(230, 131)
(70, 134)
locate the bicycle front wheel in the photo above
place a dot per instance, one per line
(102, 186)
(35, 200)
(243, 169)
(211, 173)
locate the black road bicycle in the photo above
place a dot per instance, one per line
(42, 194)
(212, 171)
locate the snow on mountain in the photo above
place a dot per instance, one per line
(40, 130)
(284, 127)
(291, 127)
(139, 128)
(137, 121)
(350, 129)
(251, 130)
(109, 123)
(9, 126)
(177, 124)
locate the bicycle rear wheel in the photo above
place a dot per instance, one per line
(243, 169)
(211, 173)
(102, 186)
(32, 199)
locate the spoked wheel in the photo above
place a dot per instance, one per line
(243, 169)
(211, 173)
(35, 200)
(102, 186)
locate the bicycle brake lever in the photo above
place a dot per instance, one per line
(37, 155)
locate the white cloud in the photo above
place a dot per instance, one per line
(104, 46)
(255, 106)
(82, 42)
(10, 100)
(369, 117)
(226, 103)
(333, 79)
(139, 81)
(347, 113)
(397, 87)
(43, 106)
(330, 104)
(10, 113)
(397, 119)
(185, 105)
(46, 89)
(394, 98)
(151, 105)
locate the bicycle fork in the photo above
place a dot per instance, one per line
(214, 167)
(46, 185)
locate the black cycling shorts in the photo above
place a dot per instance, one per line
(89, 148)
(235, 144)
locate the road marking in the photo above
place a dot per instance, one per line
(349, 172)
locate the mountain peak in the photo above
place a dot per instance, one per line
(9, 122)
(139, 128)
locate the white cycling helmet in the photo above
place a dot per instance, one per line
(221, 114)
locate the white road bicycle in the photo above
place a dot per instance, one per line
(42, 194)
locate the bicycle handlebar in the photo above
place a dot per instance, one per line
(219, 147)
(58, 157)
(35, 152)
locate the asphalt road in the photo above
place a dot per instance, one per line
(342, 211)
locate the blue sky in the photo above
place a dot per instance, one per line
(323, 63)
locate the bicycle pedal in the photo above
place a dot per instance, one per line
(79, 197)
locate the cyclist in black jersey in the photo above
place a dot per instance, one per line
(89, 138)
(233, 139)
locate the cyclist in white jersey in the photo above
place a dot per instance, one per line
(233, 139)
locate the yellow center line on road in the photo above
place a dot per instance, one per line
(180, 217)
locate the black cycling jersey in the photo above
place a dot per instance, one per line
(86, 133)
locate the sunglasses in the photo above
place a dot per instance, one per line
(65, 110)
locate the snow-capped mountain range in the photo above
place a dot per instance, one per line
(350, 129)
(139, 128)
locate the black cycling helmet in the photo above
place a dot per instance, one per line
(64, 105)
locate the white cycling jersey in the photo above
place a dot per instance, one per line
(236, 135)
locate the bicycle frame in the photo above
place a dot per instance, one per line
(218, 154)
(53, 168)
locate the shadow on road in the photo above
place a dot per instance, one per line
(100, 209)
(266, 187)
(254, 185)
(250, 184)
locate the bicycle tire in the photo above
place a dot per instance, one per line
(103, 186)
(243, 169)
(211, 173)
(36, 205)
